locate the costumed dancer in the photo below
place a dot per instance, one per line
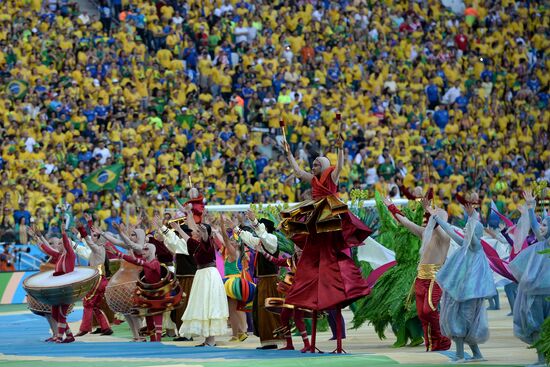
(466, 280)
(262, 237)
(151, 276)
(391, 300)
(92, 301)
(236, 283)
(433, 253)
(197, 204)
(120, 289)
(532, 270)
(64, 258)
(185, 263)
(207, 310)
(327, 277)
(36, 306)
(185, 266)
(166, 259)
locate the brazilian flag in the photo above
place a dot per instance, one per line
(17, 89)
(105, 178)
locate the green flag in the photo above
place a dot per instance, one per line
(105, 178)
(17, 89)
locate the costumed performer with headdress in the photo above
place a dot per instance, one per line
(207, 310)
(152, 275)
(185, 266)
(263, 241)
(327, 277)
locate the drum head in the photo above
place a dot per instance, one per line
(62, 289)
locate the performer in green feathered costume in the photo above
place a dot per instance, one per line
(391, 301)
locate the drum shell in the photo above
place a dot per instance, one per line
(41, 309)
(62, 294)
(120, 290)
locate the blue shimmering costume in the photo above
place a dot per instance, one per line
(532, 270)
(466, 280)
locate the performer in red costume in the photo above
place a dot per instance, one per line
(197, 204)
(64, 263)
(433, 252)
(152, 275)
(327, 277)
(92, 301)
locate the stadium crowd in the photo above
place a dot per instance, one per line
(181, 91)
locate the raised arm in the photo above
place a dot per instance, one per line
(279, 261)
(414, 228)
(531, 203)
(178, 204)
(300, 173)
(131, 259)
(109, 237)
(82, 251)
(45, 248)
(190, 220)
(535, 226)
(248, 238)
(66, 242)
(268, 241)
(335, 175)
(449, 230)
(227, 243)
(171, 240)
(128, 243)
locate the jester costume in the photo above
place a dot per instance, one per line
(391, 301)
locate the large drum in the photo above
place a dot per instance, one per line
(41, 309)
(114, 265)
(62, 289)
(120, 290)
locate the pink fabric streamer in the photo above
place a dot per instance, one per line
(378, 272)
(512, 229)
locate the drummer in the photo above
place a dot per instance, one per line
(152, 275)
(56, 244)
(64, 258)
(135, 242)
